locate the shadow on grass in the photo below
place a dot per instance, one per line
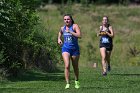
(103, 88)
(38, 76)
(126, 74)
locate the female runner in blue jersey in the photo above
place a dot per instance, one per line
(70, 48)
(106, 44)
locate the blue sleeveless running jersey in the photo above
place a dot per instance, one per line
(70, 41)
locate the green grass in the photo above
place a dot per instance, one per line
(119, 80)
(125, 74)
(125, 22)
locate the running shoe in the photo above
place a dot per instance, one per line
(104, 73)
(77, 84)
(67, 86)
(109, 68)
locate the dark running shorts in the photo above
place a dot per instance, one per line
(108, 47)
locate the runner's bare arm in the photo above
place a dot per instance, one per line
(77, 30)
(111, 34)
(59, 37)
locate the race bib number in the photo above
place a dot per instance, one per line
(105, 40)
(68, 39)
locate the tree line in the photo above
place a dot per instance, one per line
(93, 1)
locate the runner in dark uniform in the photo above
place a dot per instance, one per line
(106, 44)
(105, 40)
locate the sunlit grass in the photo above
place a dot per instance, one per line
(123, 80)
(124, 20)
(124, 77)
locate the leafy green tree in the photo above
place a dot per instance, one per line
(21, 44)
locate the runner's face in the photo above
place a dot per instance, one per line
(105, 20)
(67, 20)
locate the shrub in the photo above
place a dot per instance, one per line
(21, 44)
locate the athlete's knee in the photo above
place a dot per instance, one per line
(76, 68)
(103, 58)
(67, 67)
(108, 58)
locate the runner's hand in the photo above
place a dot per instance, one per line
(60, 42)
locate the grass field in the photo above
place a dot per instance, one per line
(119, 80)
(125, 60)
(124, 20)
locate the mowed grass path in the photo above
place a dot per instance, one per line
(119, 80)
